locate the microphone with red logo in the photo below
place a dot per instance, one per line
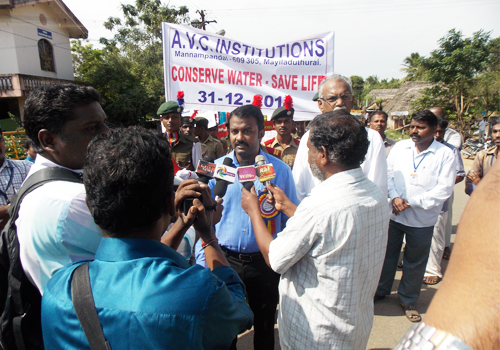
(224, 174)
(265, 172)
(246, 174)
(205, 169)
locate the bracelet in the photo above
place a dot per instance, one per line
(209, 242)
(421, 336)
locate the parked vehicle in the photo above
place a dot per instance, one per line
(471, 147)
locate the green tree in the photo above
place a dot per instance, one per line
(456, 64)
(414, 69)
(126, 101)
(357, 89)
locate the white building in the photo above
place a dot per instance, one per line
(34, 48)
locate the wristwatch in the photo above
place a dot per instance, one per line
(424, 337)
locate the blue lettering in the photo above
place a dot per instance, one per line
(204, 48)
(318, 54)
(300, 49)
(176, 40)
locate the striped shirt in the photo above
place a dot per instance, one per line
(330, 258)
(12, 175)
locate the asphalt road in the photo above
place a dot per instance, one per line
(390, 323)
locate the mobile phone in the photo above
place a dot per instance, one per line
(187, 204)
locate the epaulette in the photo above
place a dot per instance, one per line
(269, 142)
(297, 142)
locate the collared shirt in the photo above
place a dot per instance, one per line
(226, 144)
(374, 166)
(148, 297)
(453, 137)
(424, 179)
(213, 147)
(235, 230)
(330, 257)
(187, 152)
(12, 175)
(484, 161)
(388, 144)
(286, 154)
(459, 168)
(54, 227)
(482, 125)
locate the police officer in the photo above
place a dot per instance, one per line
(283, 146)
(213, 146)
(187, 126)
(186, 150)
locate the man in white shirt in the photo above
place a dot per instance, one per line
(335, 92)
(482, 128)
(330, 254)
(454, 138)
(420, 176)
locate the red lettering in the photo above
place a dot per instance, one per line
(280, 83)
(207, 75)
(214, 75)
(274, 84)
(294, 82)
(221, 76)
(195, 74)
(238, 79)
(288, 81)
(174, 78)
(303, 87)
(231, 74)
(246, 75)
(188, 73)
(252, 79)
(181, 73)
(258, 80)
(202, 75)
(313, 81)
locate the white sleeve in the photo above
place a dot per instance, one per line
(302, 176)
(375, 164)
(196, 153)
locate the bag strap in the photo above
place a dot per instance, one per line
(83, 301)
(36, 180)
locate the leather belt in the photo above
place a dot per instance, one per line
(241, 256)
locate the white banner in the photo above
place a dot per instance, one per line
(218, 73)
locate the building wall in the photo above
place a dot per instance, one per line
(22, 52)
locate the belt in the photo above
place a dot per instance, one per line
(243, 257)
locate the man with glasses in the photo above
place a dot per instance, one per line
(335, 92)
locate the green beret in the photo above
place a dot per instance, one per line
(169, 107)
(282, 112)
(203, 122)
(187, 120)
(316, 97)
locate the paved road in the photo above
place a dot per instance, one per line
(390, 323)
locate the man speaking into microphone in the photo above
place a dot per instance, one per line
(235, 232)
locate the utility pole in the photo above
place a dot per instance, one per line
(201, 24)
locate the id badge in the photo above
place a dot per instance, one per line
(268, 211)
(413, 178)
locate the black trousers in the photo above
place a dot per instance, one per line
(261, 283)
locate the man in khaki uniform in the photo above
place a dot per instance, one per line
(186, 150)
(283, 146)
(213, 146)
(187, 126)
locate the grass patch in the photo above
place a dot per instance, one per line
(396, 135)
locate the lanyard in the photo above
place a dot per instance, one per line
(416, 167)
(4, 194)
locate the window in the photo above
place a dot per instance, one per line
(46, 54)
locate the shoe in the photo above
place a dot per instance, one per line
(378, 297)
(447, 253)
(411, 313)
(400, 264)
(431, 280)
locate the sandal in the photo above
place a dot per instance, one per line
(431, 280)
(411, 313)
(447, 253)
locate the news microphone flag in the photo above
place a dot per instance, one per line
(224, 172)
(266, 172)
(205, 168)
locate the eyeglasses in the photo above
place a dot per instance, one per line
(334, 99)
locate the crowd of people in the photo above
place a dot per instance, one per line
(322, 239)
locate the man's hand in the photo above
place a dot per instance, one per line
(281, 201)
(4, 215)
(217, 214)
(249, 201)
(187, 189)
(398, 205)
(473, 178)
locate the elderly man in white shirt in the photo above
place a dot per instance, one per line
(421, 173)
(330, 254)
(335, 92)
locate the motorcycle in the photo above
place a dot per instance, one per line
(471, 147)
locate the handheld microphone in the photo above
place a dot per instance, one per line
(247, 174)
(265, 172)
(205, 169)
(220, 187)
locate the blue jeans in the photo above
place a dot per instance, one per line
(418, 244)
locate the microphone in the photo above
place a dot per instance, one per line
(265, 172)
(223, 176)
(205, 169)
(247, 174)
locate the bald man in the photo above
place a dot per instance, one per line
(454, 138)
